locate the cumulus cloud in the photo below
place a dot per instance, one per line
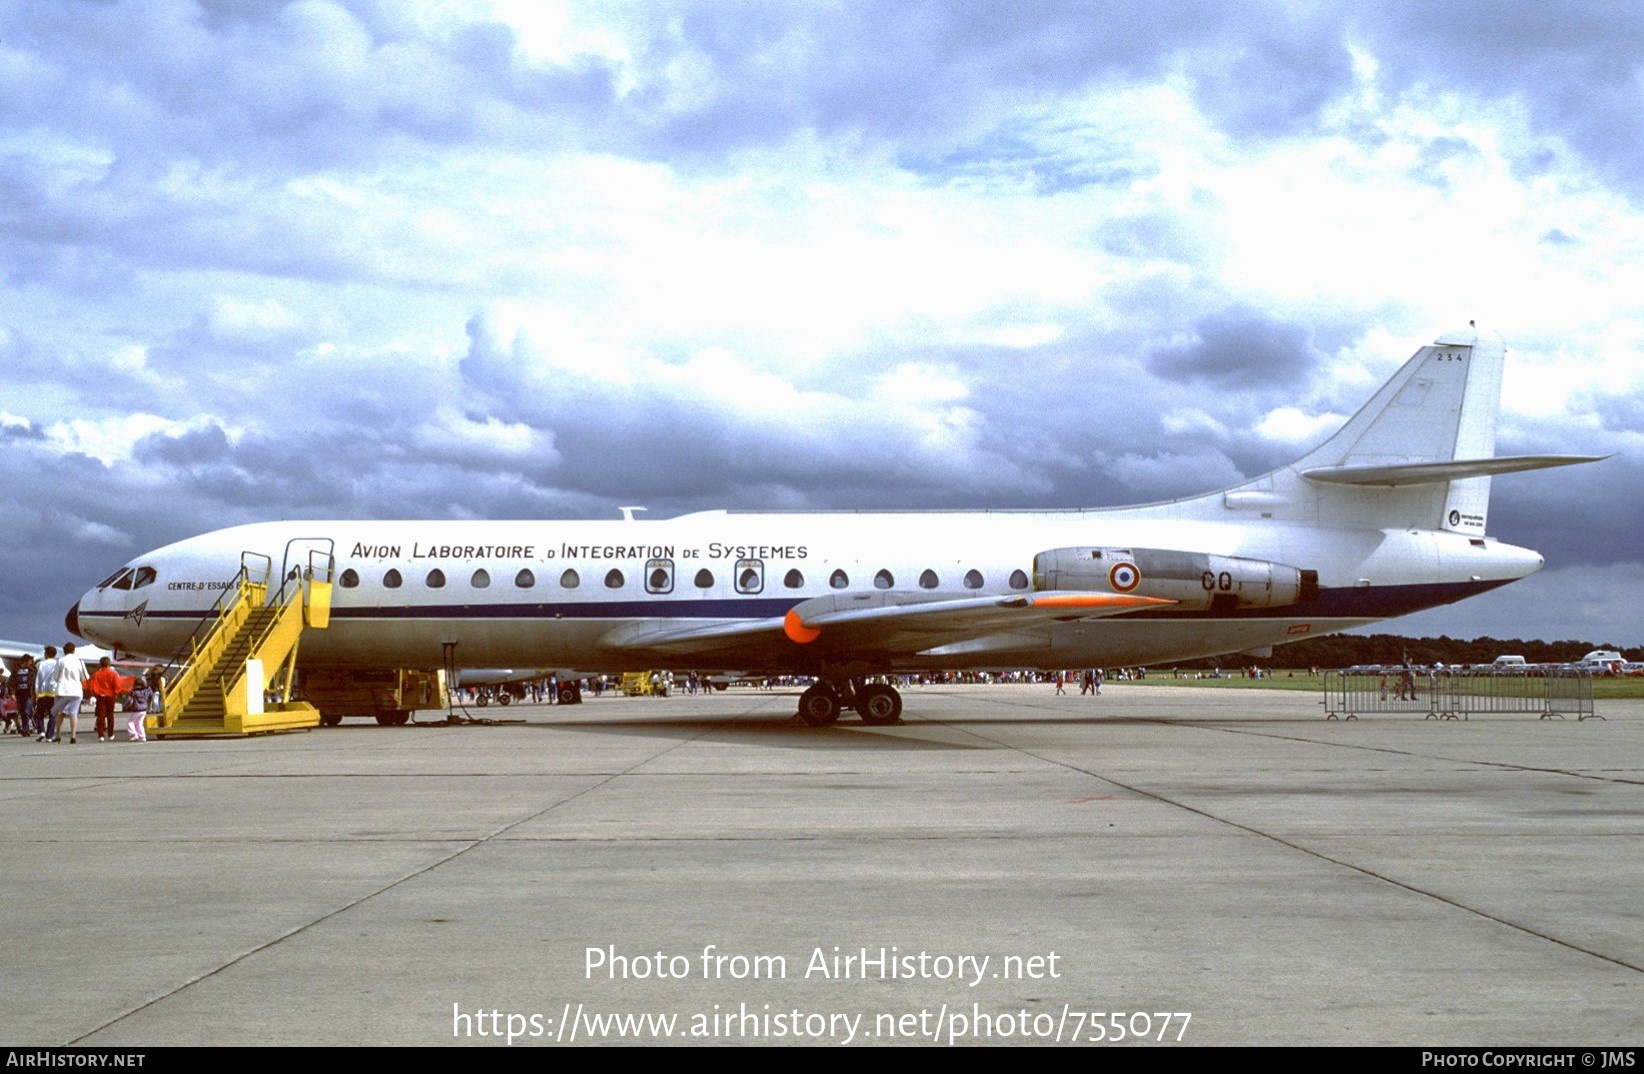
(1238, 348)
(338, 258)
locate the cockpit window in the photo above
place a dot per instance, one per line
(111, 579)
(120, 579)
(144, 576)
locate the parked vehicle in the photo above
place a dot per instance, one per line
(1602, 662)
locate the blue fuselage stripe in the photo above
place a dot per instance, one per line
(1363, 602)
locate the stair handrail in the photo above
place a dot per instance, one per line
(245, 581)
(293, 593)
(248, 573)
(275, 621)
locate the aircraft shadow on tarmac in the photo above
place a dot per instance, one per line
(787, 731)
(764, 729)
(771, 730)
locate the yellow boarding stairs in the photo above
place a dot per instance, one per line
(222, 686)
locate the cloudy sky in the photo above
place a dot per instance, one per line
(525, 259)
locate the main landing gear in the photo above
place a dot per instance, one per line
(876, 703)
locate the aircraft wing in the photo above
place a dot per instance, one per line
(879, 624)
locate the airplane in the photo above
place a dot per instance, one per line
(13, 651)
(1385, 518)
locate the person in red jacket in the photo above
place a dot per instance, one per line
(104, 685)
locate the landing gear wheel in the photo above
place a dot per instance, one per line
(504, 697)
(570, 693)
(396, 718)
(482, 699)
(879, 704)
(819, 706)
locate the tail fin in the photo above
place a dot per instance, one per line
(1418, 455)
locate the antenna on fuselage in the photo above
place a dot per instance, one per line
(628, 512)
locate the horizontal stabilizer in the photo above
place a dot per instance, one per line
(1432, 473)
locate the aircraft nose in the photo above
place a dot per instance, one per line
(72, 620)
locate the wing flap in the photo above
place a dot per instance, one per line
(880, 623)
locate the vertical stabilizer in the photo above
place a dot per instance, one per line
(1468, 499)
(1413, 457)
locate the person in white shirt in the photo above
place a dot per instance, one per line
(71, 690)
(45, 694)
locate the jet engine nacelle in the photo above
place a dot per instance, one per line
(1197, 581)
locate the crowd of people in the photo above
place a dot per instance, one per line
(42, 697)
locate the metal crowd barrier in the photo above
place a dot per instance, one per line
(1455, 694)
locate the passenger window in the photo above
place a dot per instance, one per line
(570, 579)
(659, 576)
(481, 579)
(793, 580)
(350, 578)
(1018, 579)
(704, 579)
(973, 579)
(525, 579)
(838, 580)
(391, 580)
(928, 580)
(436, 579)
(883, 580)
(750, 575)
(614, 579)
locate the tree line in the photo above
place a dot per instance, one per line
(1345, 650)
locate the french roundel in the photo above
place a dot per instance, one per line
(1124, 577)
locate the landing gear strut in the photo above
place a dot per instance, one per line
(876, 703)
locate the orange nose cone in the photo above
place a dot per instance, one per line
(796, 630)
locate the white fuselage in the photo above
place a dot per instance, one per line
(547, 593)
